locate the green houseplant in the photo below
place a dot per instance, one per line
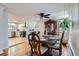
(65, 26)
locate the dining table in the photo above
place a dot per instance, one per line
(49, 39)
(48, 42)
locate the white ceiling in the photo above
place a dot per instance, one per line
(26, 10)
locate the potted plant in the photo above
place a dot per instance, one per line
(65, 26)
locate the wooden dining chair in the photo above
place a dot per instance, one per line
(36, 48)
(58, 46)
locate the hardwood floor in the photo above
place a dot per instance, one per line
(17, 47)
(66, 51)
(20, 47)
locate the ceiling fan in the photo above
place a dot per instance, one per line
(43, 15)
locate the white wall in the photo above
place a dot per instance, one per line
(40, 26)
(74, 33)
(3, 28)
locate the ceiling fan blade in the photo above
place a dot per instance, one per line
(47, 15)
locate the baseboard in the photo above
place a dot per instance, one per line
(72, 51)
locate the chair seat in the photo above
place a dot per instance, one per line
(43, 49)
(56, 46)
(58, 42)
